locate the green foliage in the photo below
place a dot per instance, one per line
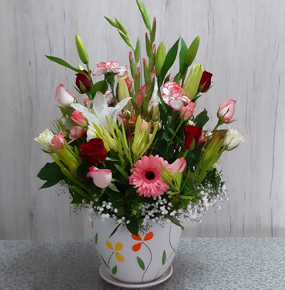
(169, 60)
(64, 63)
(52, 174)
(201, 119)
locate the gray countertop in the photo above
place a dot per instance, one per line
(200, 263)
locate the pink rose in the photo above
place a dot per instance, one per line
(101, 177)
(227, 110)
(178, 165)
(58, 140)
(76, 132)
(172, 95)
(187, 111)
(63, 96)
(79, 118)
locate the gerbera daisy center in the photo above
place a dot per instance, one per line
(150, 175)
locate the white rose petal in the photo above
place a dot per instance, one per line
(233, 138)
(45, 139)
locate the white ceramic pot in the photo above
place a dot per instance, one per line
(136, 259)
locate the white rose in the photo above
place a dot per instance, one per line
(233, 138)
(45, 139)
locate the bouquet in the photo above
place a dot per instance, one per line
(138, 151)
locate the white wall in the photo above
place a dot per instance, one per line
(242, 44)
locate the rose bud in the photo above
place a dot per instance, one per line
(187, 111)
(205, 82)
(76, 132)
(178, 165)
(226, 111)
(82, 82)
(45, 139)
(58, 140)
(233, 139)
(192, 133)
(63, 96)
(79, 118)
(101, 177)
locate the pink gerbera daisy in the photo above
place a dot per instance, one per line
(146, 176)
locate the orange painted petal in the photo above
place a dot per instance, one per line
(118, 247)
(119, 257)
(148, 236)
(109, 245)
(137, 238)
(136, 247)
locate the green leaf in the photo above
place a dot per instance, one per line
(163, 257)
(133, 226)
(104, 262)
(113, 187)
(122, 171)
(192, 51)
(114, 270)
(114, 231)
(165, 136)
(141, 263)
(176, 221)
(169, 60)
(100, 86)
(51, 173)
(96, 238)
(182, 53)
(185, 197)
(63, 63)
(201, 119)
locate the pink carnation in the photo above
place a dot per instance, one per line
(110, 66)
(172, 95)
(146, 176)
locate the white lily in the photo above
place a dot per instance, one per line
(97, 115)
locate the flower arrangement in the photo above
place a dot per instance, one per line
(139, 152)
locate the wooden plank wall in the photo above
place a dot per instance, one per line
(242, 44)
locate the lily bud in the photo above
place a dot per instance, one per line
(123, 91)
(82, 52)
(192, 83)
(160, 57)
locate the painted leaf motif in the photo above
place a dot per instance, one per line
(136, 238)
(114, 270)
(141, 263)
(118, 247)
(137, 247)
(109, 245)
(119, 257)
(163, 257)
(148, 236)
(96, 239)
(104, 262)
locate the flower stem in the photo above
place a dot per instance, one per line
(149, 261)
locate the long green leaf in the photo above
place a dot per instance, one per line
(63, 63)
(163, 257)
(169, 60)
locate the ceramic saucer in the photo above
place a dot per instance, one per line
(107, 277)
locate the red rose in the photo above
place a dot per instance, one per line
(94, 151)
(205, 81)
(192, 132)
(84, 81)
